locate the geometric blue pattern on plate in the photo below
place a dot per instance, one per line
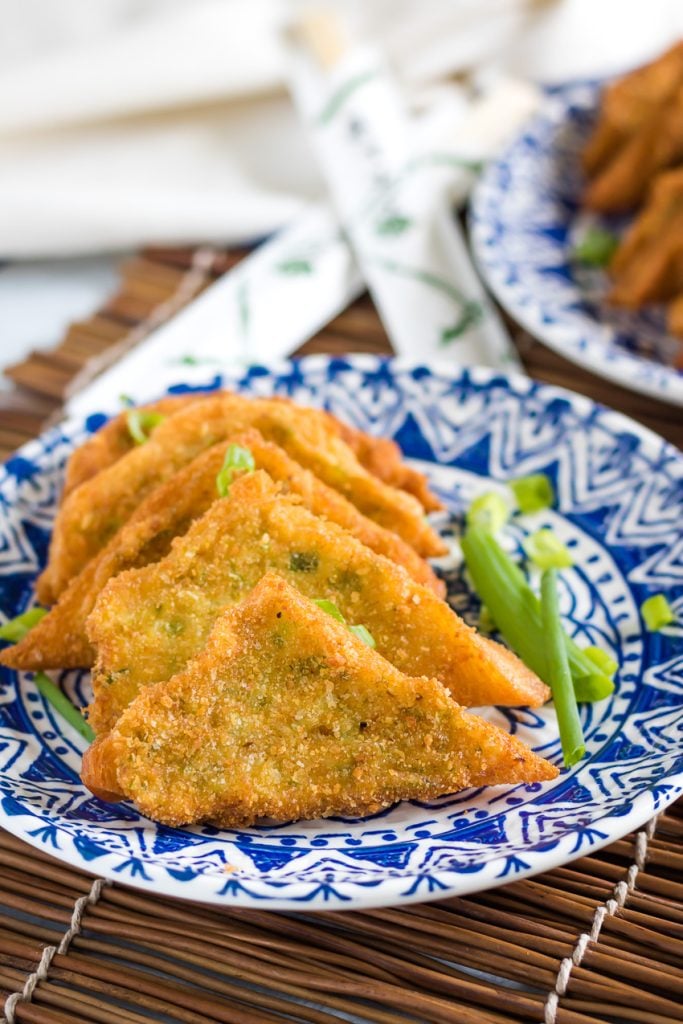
(620, 504)
(525, 220)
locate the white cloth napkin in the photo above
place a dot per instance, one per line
(130, 121)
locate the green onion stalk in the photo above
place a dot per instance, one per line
(516, 611)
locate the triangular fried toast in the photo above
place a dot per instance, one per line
(285, 714)
(60, 639)
(93, 512)
(149, 622)
(379, 455)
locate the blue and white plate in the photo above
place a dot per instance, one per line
(525, 222)
(620, 510)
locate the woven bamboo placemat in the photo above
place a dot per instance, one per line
(596, 942)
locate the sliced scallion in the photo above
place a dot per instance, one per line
(534, 492)
(61, 703)
(657, 613)
(363, 634)
(331, 609)
(17, 628)
(546, 550)
(486, 623)
(141, 422)
(516, 610)
(489, 510)
(558, 674)
(604, 661)
(237, 459)
(597, 247)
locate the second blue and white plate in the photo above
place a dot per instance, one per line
(525, 222)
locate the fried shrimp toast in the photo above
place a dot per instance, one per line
(93, 513)
(286, 714)
(148, 623)
(60, 640)
(113, 440)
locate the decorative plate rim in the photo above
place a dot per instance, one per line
(388, 890)
(591, 346)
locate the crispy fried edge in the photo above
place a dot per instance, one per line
(484, 753)
(303, 433)
(382, 457)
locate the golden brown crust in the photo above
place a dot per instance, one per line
(93, 513)
(380, 456)
(286, 714)
(113, 440)
(149, 622)
(60, 640)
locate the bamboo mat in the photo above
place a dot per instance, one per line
(597, 942)
(158, 282)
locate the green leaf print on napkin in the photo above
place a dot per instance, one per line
(339, 98)
(295, 267)
(470, 315)
(393, 225)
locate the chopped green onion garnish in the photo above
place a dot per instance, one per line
(486, 623)
(558, 674)
(61, 703)
(331, 609)
(236, 458)
(604, 661)
(597, 247)
(17, 628)
(126, 400)
(516, 610)
(546, 550)
(657, 612)
(533, 492)
(141, 422)
(364, 635)
(489, 510)
(361, 632)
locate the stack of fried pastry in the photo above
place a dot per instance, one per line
(633, 159)
(223, 690)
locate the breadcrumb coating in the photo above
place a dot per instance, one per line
(148, 623)
(99, 507)
(60, 639)
(285, 714)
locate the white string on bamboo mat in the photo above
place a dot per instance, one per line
(41, 971)
(607, 909)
